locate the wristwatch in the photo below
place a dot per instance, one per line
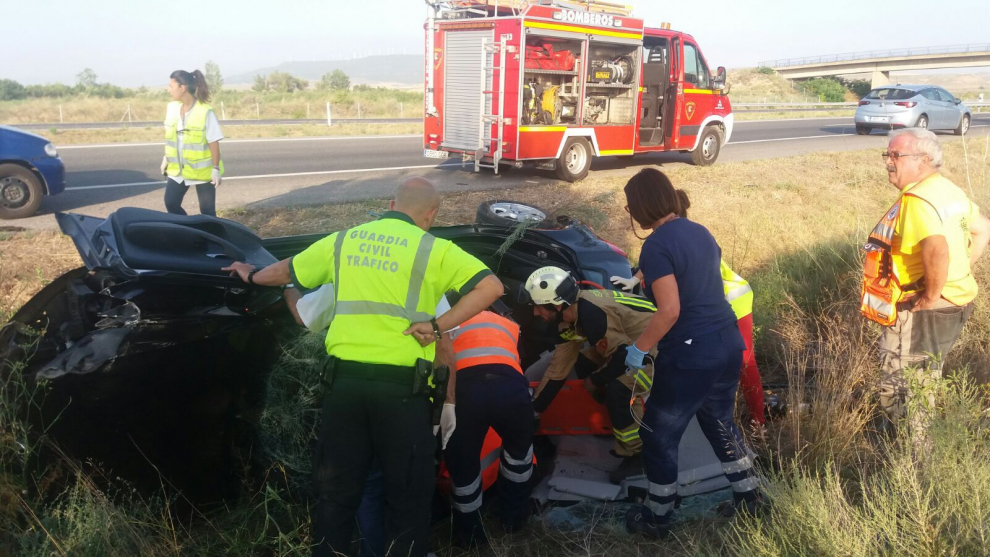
(436, 328)
(250, 279)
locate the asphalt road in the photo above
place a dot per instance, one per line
(301, 171)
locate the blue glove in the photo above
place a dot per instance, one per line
(634, 357)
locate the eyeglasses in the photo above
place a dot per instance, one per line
(894, 155)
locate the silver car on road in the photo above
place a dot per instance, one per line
(912, 106)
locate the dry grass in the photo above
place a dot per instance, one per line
(29, 261)
(237, 105)
(792, 227)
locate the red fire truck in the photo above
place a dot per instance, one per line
(557, 82)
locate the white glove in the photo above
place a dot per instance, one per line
(627, 284)
(164, 165)
(216, 178)
(448, 423)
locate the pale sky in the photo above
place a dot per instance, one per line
(135, 42)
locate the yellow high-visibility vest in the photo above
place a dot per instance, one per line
(387, 274)
(738, 292)
(195, 161)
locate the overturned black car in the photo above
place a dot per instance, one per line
(155, 362)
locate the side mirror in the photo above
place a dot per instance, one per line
(957, 101)
(720, 77)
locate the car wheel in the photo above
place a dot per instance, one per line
(20, 192)
(575, 160)
(963, 126)
(862, 130)
(503, 212)
(708, 148)
(922, 122)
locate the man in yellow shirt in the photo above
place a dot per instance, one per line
(937, 237)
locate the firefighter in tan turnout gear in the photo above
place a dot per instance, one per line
(607, 322)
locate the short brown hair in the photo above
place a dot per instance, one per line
(651, 197)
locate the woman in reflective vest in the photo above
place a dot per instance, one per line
(492, 394)
(192, 144)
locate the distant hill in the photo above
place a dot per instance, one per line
(400, 69)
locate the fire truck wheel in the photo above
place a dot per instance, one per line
(503, 212)
(708, 147)
(575, 160)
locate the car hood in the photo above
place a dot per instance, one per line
(23, 135)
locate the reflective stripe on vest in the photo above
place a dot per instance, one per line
(634, 301)
(195, 162)
(737, 291)
(486, 338)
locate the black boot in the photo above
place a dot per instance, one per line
(640, 519)
(468, 530)
(630, 466)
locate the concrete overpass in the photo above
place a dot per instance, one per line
(880, 63)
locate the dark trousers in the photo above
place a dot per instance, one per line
(497, 397)
(698, 379)
(363, 420)
(174, 192)
(371, 515)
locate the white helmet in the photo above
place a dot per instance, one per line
(550, 285)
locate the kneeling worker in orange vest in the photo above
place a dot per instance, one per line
(491, 392)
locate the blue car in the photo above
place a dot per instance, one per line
(29, 170)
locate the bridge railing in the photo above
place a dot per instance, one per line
(871, 54)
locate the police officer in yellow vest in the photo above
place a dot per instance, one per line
(192, 144)
(388, 276)
(918, 280)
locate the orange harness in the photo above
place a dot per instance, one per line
(881, 287)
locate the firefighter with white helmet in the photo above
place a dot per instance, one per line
(607, 322)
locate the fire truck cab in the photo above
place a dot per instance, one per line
(556, 83)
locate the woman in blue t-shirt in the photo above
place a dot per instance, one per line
(700, 351)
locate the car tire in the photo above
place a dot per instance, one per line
(709, 145)
(863, 130)
(963, 125)
(20, 192)
(922, 122)
(504, 212)
(574, 161)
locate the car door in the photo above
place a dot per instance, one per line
(934, 108)
(953, 114)
(655, 76)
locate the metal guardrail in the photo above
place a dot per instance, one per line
(808, 107)
(264, 122)
(871, 54)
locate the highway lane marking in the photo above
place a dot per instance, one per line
(790, 138)
(288, 175)
(229, 141)
(772, 120)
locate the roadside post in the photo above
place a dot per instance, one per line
(329, 121)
